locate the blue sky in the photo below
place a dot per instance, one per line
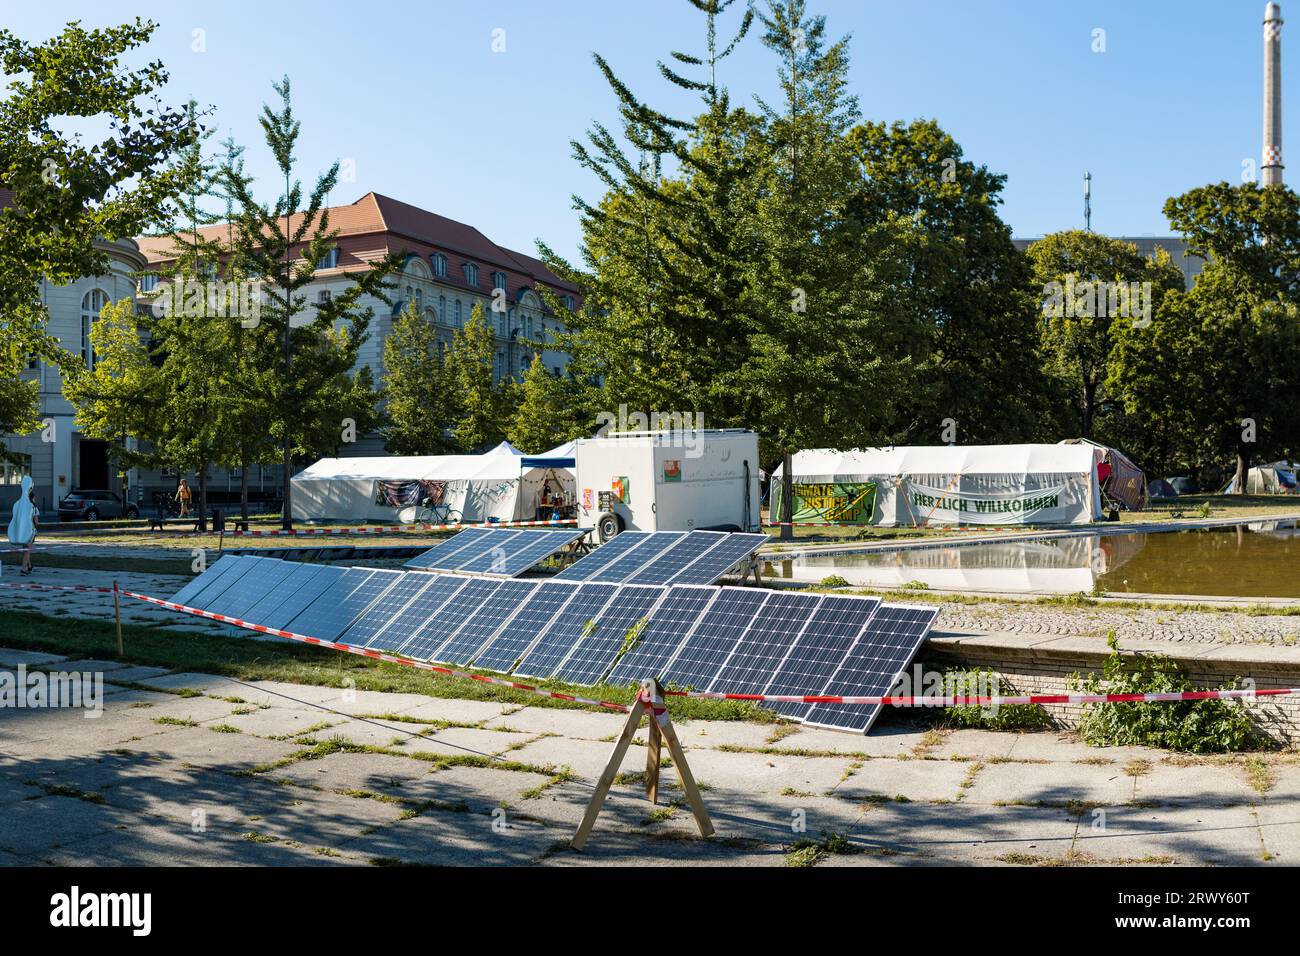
(413, 94)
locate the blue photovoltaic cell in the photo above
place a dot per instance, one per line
(407, 624)
(620, 569)
(881, 653)
(669, 625)
(531, 549)
(200, 581)
(698, 659)
(619, 545)
(259, 582)
(489, 554)
(426, 644)
(672, 562)
(825, 642)
(298, 575)
(484, 622)
(302, 596)
(720, 559)
(338, 607)
(568, 628)
(443, 555)
(770, 637)
(537, 613)
(594, 654)
(372, 620)
(213, 592)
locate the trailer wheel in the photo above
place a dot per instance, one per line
(608, 526)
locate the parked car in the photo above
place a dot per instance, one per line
(1184, 486)
(84, 505)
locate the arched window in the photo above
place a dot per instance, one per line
(498, 280)
(92, 303)
(439, 265)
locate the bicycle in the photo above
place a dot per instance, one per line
(429, 513)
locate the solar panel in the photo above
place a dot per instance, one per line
(260, 581)
(820, 649)
(672, 562)
(299, 574)
(600, 644)
(720, 559)
(568, 628)
(771, 635)
(523, 550)
(881, 653)
(698, 659)
(331, 614)
(671, 623)
(407, 624)
(427, 642)
(371, 621)
(622, 568)
(219, 586)
(479, 628)
(223, 566)
(584, 568)
(299, 596)
(534, 617)
(441, 554)
(488, 554)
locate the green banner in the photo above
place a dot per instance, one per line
(828, 502)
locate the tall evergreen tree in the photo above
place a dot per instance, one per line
(545, 416)
(480, 412)
(419, 397)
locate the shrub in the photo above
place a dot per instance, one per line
(976, 681)
(1201, 726)
(834, 581)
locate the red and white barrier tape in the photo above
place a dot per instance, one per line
(364, 529)
(378, 655)
(54, 587)
(753, 698)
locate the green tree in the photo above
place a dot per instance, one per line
(282, 245)
(19, 397)
(419, 397)
(68, 191)
(480, 403)
(545, 416)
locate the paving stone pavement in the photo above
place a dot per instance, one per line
(160, 778)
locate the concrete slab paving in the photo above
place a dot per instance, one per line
(977, 744)
(918, 780)
(575, 724)
(200, 747)
(380, 773)
(441, 838)
(1199, 786)
(457, 711)
(1056, 783)
(765, 773)
(1205, 835)
(132, 674)
(11, 657)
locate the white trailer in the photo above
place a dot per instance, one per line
(668, 481)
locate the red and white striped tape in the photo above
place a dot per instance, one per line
(363, 529)
(377, 655)
(54, 587)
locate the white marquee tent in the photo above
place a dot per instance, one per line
(946, 484)
(501, 484)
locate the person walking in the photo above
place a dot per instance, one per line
(23, 524)
(185, 497)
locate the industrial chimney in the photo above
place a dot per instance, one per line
(1271, 170)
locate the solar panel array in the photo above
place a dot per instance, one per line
(665, 557)
(698, 636)
(503, 552)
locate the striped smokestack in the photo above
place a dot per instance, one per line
(1271, 170)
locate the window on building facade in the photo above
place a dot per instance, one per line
(92, 303)
(442, 309)
(148, 281)
(330, 260)
(568, 302)
(498, 280)
(471, 274)
(323, 296)
(439, 265)
(13, 472)
(419, 299)
(459, 319)
(497, 364)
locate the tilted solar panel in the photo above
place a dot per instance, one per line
(209, 595)
(298, 597)
(480, 626)
(566, 630)
(671, 623)
(338, 607)
(427, 643)
(698, 658)
(370, 622)
(536, 546)
(665, 568)
(489, 554)
(882, 652)
(404, 627)
(624, 567)
(610, 551)
(299, 575)
(222, 567)
(771, 635)
(260, 581)
(541, 608)
(443, 553)
(820, 649)
(721, 558)
(619, 622)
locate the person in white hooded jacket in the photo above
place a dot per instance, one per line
(22, 526)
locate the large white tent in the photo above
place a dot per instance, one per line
(501, 485)
(945, 485)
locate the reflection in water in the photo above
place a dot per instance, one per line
(1254, 560)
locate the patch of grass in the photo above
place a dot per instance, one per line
(809, 852)
(1260, 775)
(60, 790)
(563, 775)
(792, 792)
(176, 721)
(1137, 768)
(224, 729)
(781, 731)
(834, 581)
(391, 861)
(254, 837)
(327, 851)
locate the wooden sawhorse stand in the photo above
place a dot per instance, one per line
(650, 700)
